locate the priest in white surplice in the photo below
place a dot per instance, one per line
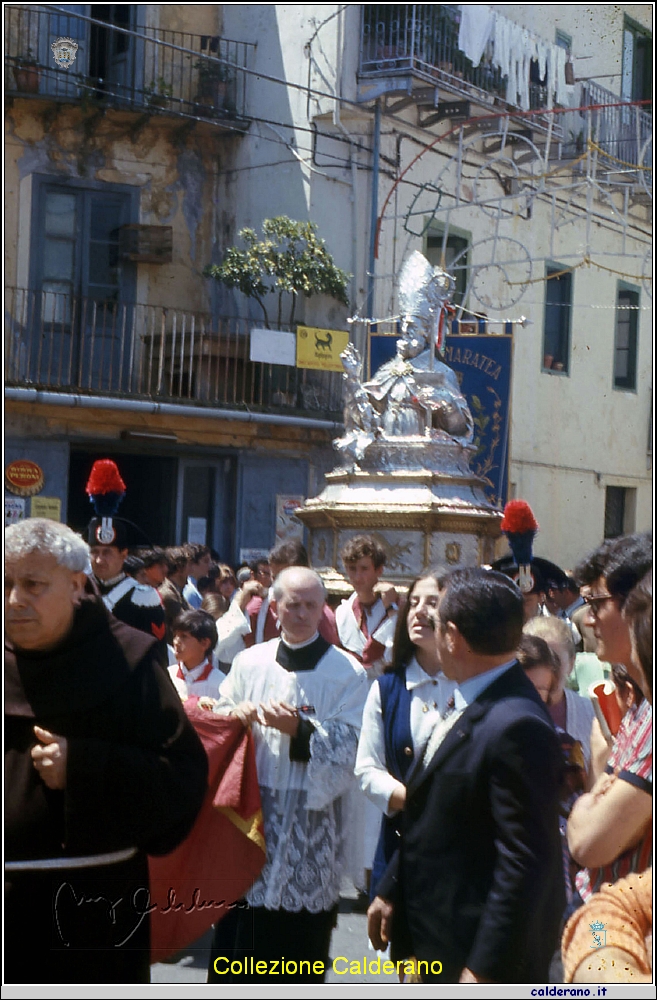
(304, 699)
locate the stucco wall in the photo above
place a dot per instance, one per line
(174, 172)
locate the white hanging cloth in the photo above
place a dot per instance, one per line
(477, 24)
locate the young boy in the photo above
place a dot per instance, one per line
(194, 638)
(366, 620)
(366, 626)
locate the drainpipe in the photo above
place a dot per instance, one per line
(166, 409)
(374, 208)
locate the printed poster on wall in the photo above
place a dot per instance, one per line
(14, 510)
(251, 555)
(287, 525)
(50, 507)
(196, 530)
(482, 363)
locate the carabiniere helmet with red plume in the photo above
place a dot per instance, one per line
(106, 490)
(532, 574)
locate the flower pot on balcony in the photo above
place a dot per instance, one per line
(213, 79)
(27, 78)
(212, 94)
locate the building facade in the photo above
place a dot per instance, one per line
(116, 344)
(519, 154)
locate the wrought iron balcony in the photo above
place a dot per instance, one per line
(422, 39)
(77, 345)
(126, 65)
(622, 131)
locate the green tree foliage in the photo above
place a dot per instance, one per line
(290, 257)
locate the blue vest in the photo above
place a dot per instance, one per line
(398, 741)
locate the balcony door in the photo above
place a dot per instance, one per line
(108, 64)
(81, 317)
(116, 60)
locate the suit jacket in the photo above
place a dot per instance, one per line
(174, 604)
(477, 881)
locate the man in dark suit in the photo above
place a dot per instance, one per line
(477, 883)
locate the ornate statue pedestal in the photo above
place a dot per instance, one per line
(417, 496)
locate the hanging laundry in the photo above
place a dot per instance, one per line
(477, 23)
(563, 91)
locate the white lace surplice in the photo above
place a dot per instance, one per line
(305, 806)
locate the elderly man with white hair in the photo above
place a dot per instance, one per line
(304, 699)
(101, 768)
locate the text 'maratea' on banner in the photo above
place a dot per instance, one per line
(482, 363)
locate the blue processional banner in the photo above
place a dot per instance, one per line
(482, 363)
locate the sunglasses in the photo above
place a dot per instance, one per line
(594, 602)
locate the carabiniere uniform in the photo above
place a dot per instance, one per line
(136, 604)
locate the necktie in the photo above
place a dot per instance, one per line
(440, 731)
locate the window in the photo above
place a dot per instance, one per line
(556, 325)
(80, 330)
(625, 340)
(563, 40)
(636, 79)
(76, 241)
(456, 248)
(620, 509)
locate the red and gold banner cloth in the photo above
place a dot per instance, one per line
(199, 882)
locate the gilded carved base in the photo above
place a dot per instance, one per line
(421, 517)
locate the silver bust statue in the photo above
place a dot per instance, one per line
(414, 394)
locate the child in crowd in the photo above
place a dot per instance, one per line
(194, 638)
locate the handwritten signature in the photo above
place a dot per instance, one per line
(140, 903)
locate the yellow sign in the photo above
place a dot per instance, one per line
(320, 349)
(50, 507)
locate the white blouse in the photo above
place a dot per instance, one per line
(429, 697)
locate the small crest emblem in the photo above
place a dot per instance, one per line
(453, 553)
(106, 532)
(525, 580)
(64, 50)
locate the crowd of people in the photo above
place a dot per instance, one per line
(439, 746)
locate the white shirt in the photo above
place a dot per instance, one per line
(189, 683)
(380, 626)
(191, 594)
(231, 627)
(429, 697)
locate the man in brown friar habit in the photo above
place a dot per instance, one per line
(109, 538)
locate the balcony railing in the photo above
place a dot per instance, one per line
(423, 38)
(78, 345)
(398, 37)
(623, 132)
(126, 66)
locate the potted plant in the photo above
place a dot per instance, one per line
(291, 258)
(213, 78)
(158, 93)
(26, 74)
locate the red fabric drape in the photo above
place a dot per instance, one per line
(194, 886)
